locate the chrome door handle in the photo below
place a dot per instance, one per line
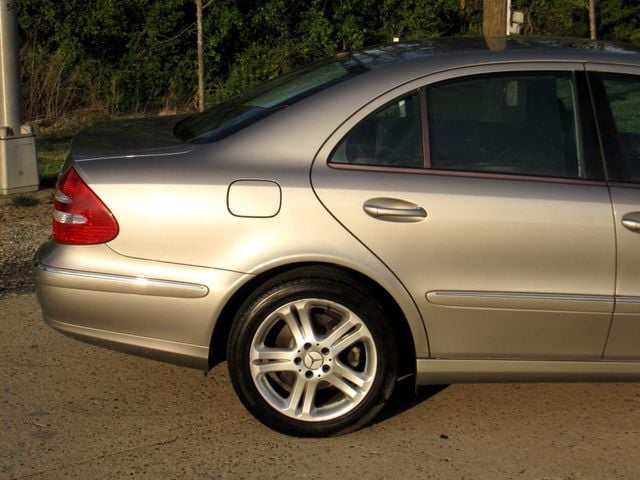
(394, 210)
(380, 211)
(631, 221)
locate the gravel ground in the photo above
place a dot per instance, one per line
(69, 410)
(22, 230)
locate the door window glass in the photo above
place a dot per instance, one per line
(522, 124)
(390, 137)
(623, 94)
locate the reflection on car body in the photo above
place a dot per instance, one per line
(434, 208)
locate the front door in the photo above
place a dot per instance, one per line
(618, 100)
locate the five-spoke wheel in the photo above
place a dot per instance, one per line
(312, 355)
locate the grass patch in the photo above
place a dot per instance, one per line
(52, 149)
(24, 201)
(53, 141)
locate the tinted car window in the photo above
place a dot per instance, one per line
(623, 94)
(521, 124)
(390, 137)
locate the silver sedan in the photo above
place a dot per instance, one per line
(448, 210)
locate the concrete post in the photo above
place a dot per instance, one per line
(18, 161)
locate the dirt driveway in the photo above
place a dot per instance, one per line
(70, 410)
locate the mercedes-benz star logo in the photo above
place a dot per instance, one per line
(313, 360)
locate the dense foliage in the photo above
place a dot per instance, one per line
(139, 56)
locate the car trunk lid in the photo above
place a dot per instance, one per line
(129, 138)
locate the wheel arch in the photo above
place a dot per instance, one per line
(401, 328)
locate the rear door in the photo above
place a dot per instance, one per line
(502, 231)
(617, 95)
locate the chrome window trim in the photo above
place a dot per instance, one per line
(620, 184)
(469, 174)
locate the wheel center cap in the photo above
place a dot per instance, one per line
(313, 360)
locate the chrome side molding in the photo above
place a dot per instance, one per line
(439, 372)
(108, 282)
(521, 300)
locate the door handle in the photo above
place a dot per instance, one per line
(631, 221)
(394, 210)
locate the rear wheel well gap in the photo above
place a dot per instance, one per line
(403, 337)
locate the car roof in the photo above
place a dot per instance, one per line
(470, 50)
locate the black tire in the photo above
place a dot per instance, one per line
(329, 378)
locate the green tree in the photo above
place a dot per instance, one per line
(139, 56)
(619, 20)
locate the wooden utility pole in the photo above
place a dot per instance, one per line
(592, 19)
(494, 18)
(200, 55)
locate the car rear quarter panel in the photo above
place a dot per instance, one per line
(174, 209)
(180, 217)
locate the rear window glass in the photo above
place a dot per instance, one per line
(390, 137)
(236, 113)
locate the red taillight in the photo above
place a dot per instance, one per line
(79, 216)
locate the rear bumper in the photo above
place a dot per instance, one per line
(158, 310)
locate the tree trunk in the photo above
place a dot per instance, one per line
(592, 19)
(200, 55)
